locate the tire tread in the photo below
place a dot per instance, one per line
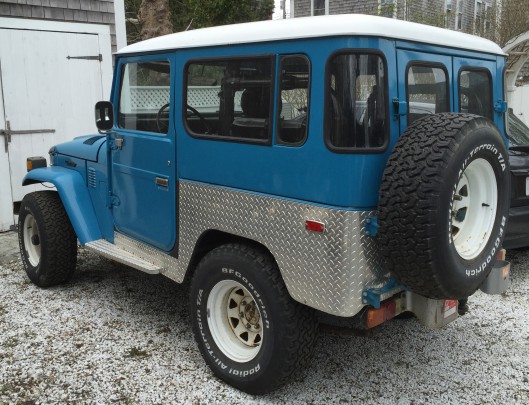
(409, 196)
(57, 236)
(301, 326)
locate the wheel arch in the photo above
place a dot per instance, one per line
(213, 238)
(74, 196)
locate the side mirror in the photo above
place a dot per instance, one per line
(104, 116)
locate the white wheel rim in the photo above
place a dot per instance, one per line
(234, 321)
(474, 209)
(32, 240)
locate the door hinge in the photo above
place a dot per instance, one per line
(500, 106)
(113, 200)
(93, 57)
(7, 135)
(116, 143)
(8, 132)
(400, 107)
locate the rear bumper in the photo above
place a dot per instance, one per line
(517, 235)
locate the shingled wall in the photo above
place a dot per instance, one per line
(79, 11)
(425, 11)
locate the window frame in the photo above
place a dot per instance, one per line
(491, 90)
(326, 112)
(278, 107)
(234, 139)
(122, 65)
(422, 63)
(460, 8)
(326, 7)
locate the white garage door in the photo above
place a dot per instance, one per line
(50, 82)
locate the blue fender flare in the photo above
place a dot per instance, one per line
(74, 196)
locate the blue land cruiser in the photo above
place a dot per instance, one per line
(345, 165)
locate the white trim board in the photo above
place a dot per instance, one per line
(56, 26)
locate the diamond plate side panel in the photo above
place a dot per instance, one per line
(325, 271)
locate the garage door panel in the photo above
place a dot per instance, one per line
(43, 89)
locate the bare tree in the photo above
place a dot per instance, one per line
(154, 18)
(514, 20)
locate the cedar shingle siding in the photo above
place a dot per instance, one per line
(425, 11)
(79, 11)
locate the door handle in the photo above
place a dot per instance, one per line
(162, 182)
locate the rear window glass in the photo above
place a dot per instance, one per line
(356, 110)
(427, 89)
(475, 93)
(294, 100)
(230, 98)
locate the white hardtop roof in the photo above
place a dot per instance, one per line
(314, 27)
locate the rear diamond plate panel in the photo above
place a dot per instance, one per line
(325, 271)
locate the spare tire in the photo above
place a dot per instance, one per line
(443, 204)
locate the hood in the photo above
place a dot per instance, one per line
(83, 147)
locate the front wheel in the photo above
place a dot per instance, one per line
(48, 243)
(249, 330)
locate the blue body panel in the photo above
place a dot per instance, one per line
(75, 198)
(309, 173)
(78, 148)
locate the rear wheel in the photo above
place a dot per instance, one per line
(48, 244)
(249, 330)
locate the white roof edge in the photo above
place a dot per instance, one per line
(313, 27)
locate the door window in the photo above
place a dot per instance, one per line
(475, 92)
(144, 96)
(427, 89)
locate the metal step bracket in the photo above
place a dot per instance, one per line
(371, 226)
(374, 296)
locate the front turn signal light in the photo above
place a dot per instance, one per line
(35, 162)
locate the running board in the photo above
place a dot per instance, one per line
(113, 252)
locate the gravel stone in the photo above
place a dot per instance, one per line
(116, 335)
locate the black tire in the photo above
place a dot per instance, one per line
(55, 236)
(288, 332)
(417, 200)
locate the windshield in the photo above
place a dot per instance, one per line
(518, 133)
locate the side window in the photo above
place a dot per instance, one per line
(293, 103)
(475, 93)
(427, 89)
(356, 102)
(230, 98)
(144, 96)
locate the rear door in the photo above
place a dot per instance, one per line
(424, 85)
(143, 152)
(473, 87)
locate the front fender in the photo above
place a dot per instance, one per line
(74, 196)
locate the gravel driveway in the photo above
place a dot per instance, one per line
(116, 335)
